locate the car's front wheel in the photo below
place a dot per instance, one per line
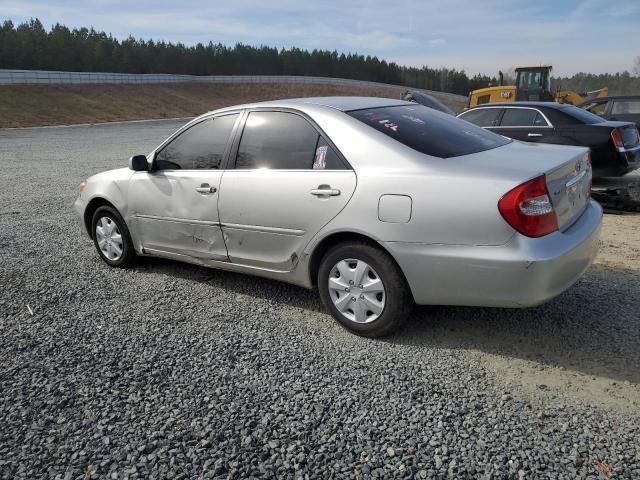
(111, 238)
(364, 289)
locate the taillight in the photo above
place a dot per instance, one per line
(528, 209)
(616, 136)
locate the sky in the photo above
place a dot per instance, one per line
(479, 36)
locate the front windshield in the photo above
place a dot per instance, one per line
(530, 80)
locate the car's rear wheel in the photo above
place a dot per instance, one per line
(364, 289)
(111, 238)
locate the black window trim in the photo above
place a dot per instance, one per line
(512, 107)
(191, 124)
(233, 153)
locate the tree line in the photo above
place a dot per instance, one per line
(30, 46)
(621, 83)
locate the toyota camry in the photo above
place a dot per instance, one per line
(380, 204)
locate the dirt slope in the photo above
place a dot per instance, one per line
(38, 105)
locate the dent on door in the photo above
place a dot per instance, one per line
(176, 213)
(269, 216)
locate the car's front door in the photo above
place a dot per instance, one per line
(526, 124)
(175, 205)
(288, 182)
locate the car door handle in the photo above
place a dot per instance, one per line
(321, 192)
(534, 135)
(204, 188)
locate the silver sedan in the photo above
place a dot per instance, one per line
(378, 203)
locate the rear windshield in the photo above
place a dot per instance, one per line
(428, 131)
(581, 115)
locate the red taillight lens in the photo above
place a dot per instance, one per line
(527, 208)
(616, 136)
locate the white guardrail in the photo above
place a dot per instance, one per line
(45, 77)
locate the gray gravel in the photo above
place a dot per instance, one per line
(176, 371)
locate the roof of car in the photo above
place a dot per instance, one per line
(612, 97)
(339, 103)
(554, 105)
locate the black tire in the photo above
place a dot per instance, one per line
(397, 295)
(128, 256)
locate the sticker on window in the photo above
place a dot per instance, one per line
(320, 161)
(414, 119)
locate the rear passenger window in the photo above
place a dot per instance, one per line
(285, 141)
(482, 117)
(540, 121)
(518, 117)
(201, 146)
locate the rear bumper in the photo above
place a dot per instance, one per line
(524, 272)
(631, 158)
(617, 163)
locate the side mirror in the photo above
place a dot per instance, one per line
(139, 163)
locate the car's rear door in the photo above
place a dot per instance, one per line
(526, 124)
(288, 182)
(175, 205)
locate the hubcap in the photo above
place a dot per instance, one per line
(356, 290)
(109, 238)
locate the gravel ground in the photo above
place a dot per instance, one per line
(176, 371)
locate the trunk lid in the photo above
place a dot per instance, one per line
(569, 188)
(628, 131)
(567, 170)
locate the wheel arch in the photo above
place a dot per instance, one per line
(92, 206)
(324, 245)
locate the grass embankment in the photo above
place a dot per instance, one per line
(38, 105)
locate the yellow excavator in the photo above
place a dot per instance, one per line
(532, 84)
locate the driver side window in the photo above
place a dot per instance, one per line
(201, 146)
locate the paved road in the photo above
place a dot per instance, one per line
(176, 371)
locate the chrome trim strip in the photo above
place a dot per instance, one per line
(197, 257)
(259, 228)
(211, 262)
(575, 179)
(235, 226)
(549, 124)
(632, 149)
(513, 126)
(176, 220)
